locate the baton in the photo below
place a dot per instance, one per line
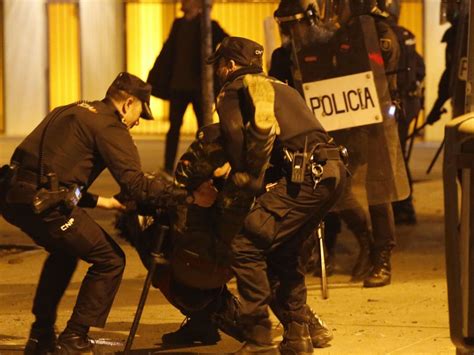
(156, 259)
(322, 257)
(440, 148)
(417, 130)
(411, 142)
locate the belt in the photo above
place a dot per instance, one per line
(28, 176)
(25, 175)
(322, 154)
(319, 153)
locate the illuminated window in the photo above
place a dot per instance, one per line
(64, 52)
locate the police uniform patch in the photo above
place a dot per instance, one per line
(87, 106)
(385, 44)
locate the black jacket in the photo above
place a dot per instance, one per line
(160, 75)
(83, 139)
(295, 119)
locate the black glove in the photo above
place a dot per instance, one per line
(435, 115)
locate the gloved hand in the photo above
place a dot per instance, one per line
(435, 114)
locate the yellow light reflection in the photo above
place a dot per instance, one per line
(64, 54)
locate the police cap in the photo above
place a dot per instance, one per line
(242, 50)
(133, 85)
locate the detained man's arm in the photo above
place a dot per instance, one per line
(109, 203)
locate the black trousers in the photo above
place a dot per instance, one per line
(383, 226)
(178, 103)
(69, 237)
(266, 256)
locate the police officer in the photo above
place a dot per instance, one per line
(63, 156)
(450, 11)
(196, 285)
(311, 180)
(410, 74)
(295, 21)
(381, 214)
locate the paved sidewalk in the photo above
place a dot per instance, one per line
(408, 317)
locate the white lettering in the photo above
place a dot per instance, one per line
(68, 224)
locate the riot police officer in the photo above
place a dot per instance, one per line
(380, 208)
(410, 74)
(450, 11)
(51, 169)
(310, 58)
(311, 180)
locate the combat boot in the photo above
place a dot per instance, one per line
(72, 343)
(404, 212)
(258, 341)
(381, 274)
(41, 342)
(193, 330)
(318, 331)
(363, 264)
(296, 340)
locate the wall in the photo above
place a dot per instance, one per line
(102, 29)
(25, 64)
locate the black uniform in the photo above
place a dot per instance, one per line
(283, 217)
(411, 71)
(77, 142)
(176, 76)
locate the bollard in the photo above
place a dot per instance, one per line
(458, 181)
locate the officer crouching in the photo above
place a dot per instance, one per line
(45, 189)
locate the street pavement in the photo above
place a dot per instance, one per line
(410, 316)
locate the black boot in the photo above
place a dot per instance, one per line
(404, 212)
(71, 343)
(318, 331)
(296, 340)
(41, 342)
(193, 330)
(258, 341)
(363, 264)
(381, 274)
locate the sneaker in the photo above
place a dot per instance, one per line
(40, 343)
(318, 331)
(193, 331)
(262, 96)
(71, 343)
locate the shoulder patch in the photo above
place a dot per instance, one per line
(410, 42)
(385, 44)
(87, 106)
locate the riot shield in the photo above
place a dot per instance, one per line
(344, 82)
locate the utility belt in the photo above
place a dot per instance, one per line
(46, 192)
(313, 160)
